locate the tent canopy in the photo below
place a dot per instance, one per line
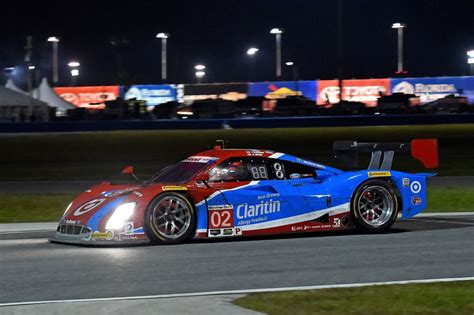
(12, 86)
(45, 93)
(11, 98)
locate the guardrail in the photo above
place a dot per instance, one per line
(275, 122)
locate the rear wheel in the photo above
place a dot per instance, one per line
(374, 206)
(170, 219)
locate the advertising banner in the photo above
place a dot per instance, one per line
(152, 94)
(431, 89)
(276, 90)
(225, 91)
(366, 91)
(88, 96)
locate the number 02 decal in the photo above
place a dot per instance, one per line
(219, 219)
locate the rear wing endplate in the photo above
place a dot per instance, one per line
(423, 150)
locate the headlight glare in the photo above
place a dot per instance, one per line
(121, 214)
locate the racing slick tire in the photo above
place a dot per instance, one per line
(170, 219)
(374, 206)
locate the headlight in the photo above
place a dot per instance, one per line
(67, 209)
(121, 214)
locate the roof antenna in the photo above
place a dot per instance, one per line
(220, 144)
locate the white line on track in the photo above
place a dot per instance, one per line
(248, 291)
(444, 214)
(442, 221)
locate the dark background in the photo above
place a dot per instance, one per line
(115, 42)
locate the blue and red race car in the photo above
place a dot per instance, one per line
(239, 192)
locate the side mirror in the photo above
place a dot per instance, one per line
(129, 170)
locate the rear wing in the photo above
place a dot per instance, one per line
(423, 150)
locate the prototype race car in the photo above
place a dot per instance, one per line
(238, 192)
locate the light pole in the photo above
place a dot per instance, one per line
(294, 69)
(277, 32)
(400, 27)
(470, 60)
(252, 52)
(74, 68)
(200, 73)
(55, 40)
(164, 37)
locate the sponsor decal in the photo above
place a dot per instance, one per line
(336, 222)
(415, 187)
(121, 238)
(103, 235)
(283, 89)
(230, 96)
(283, 92)
(138, 194)
(221, 217)
(166, 188)
(427, 92)
(220, 207)
(254, 153)
(366, 91)
(152, 94)
(226, 91)
(267, 196)
(249, 211)
(295, 176)
(88, 96)
(404, 87)
(380, 174)
(200, 159)
(416, 200)
(71, 222)
(432, 89)
(128, 228)
(214, 232)
(113, 193)
(88, 206)
(406, 182)
(302, 228)
(310, 163)
(227, 232)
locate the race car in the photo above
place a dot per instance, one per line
(245, 192)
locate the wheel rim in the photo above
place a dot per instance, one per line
(375, 205)
(171, 217)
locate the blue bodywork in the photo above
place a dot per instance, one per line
(267, 203)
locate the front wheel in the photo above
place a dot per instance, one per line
(374, 206)
(170, 219)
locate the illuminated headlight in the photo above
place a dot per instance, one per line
(121, 214)
(67, 209)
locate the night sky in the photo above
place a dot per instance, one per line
(218, 33)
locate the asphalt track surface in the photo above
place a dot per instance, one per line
(423, 248)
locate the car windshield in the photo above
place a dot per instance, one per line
(178, 173)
